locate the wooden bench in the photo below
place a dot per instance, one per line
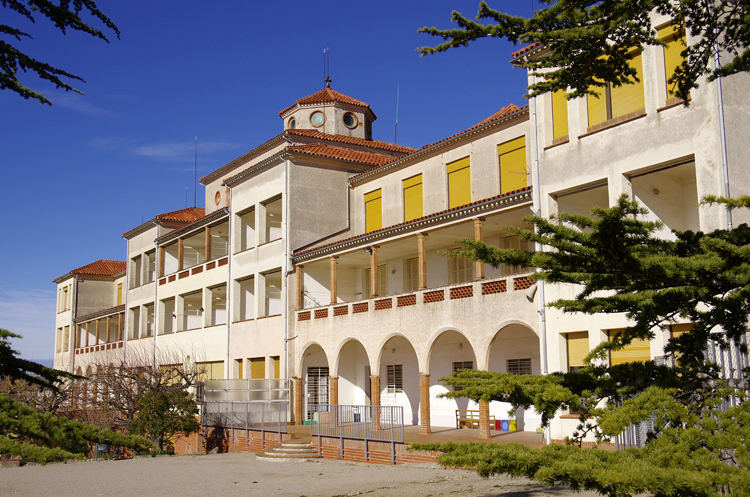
(468, 418)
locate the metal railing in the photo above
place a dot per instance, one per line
(367, 423)
(257, 416)
(272, 390)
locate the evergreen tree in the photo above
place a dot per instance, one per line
(65, 15)
(579, 32)
(700, 445)
(162, 414)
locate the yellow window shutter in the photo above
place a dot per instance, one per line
(258, 370)
(240, 367)
(629, 98)
(119, 294)
(217, 370)
(513, 175)
(373, 211)
(459, 182)
(413, 198)
(675, 38)
(678, 329)
(637, 350)
(276, 367)
(578, 348)
(597, 107)
(559, 114)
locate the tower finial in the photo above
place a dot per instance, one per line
(328, 81)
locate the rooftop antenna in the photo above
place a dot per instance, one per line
(327, 67)
(186, 196)
(195, 180)
(395, 135)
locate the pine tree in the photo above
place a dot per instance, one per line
(698, 447)
(578, 33)
(162, 414)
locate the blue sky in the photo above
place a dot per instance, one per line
(80, 173)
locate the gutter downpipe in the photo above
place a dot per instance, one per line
(155, 324)
(722, 130)
(230, 286)
(73, 325)
(537, 208)
(284, 285)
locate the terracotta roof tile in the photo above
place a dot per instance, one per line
(242, 159)
(525, 49)
(423, 218)
(351, 140)
(99, 268)
(188, 215)
(326, 95)
(504, 112)
(323, 150)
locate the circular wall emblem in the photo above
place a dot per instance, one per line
(217, 198)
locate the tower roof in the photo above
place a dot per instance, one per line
(324, 96)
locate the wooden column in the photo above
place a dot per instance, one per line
(77, 337)
(424, 404)
(334, 280)
(484, 420)
(373, 271)
(375, 399)
(479, 237)
(160, 262)
(207, 242)
(180, 248)
(119, 326)
(422, 263)
(96, 332)
(300, 273)
(297, 392)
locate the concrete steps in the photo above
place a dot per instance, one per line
(290, 451)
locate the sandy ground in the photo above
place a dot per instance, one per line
(243, 474)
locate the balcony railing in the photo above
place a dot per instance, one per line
(193, 270)
(421, 297)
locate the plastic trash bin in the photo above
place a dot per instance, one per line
(512, 425)
(505, 426)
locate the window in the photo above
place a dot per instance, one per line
(513, 242)
(674, 36)
(194, 250)
(62, 299)
(273, 219)
(258, 368)
(462, 366)
(413, 198)
(519, 366)
(513, 175)
(272, 293)
(382, 282)
(577, 345)
(559, 115)
(247, 299)
(276, 362)
(219, 240)
(66, 338)
(171, 252)
(373, 211)
(462, 269)
(210, 370)
(149, 263)
(412, 275)
(192, 310)
(637, 351)
(135, 272)
(238, 367)
(620, 101)
(119, 294)
(247, 229)
(168, 316)
(59, 339)
(149, 328)
(218, 304)
(135, 323)
(395, 378)
(459, 183)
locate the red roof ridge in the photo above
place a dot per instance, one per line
(353, 140)
(187, 215)
(342, 153)
(326, 95)
(525, 49)
(102, 267)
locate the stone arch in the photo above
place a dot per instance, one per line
(351, 370)
(425, 364)
(315, 374)
(398, 370)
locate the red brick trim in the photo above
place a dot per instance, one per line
(406, 300)
(321, 313)
(494, 287)
(341, 310)
(361, 307)
(522, 283)
(383, 304)
(224, 261)
(462, 292)
(434, 296)
(303, 316)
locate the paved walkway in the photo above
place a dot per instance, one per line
(243, 474)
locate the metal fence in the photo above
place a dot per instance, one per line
(731, 361)
(367, 423)
(272, 390)
(258, 416)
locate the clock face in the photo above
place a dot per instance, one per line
(317, 118)
(217, 198)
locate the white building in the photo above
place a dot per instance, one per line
(321, 254)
